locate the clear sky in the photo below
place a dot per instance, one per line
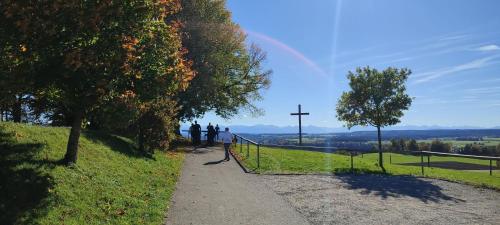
(452, 47)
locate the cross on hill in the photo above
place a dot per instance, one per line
(300, 113)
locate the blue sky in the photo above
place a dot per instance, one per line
(452, 47)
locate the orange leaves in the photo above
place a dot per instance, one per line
(130, 46)
(167, 7)
(23, 48)
(129, 43)
(128, 94)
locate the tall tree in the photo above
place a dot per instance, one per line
(91, 50)
(376, 98)
(229, 73)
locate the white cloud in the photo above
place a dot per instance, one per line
(475, 64)
(486, 48)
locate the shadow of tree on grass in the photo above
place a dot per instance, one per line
(116, 143)
(396, 186)
(24, 182)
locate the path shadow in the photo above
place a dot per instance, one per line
(197, 149)
(214, 162)
(24, 181)
(117, 144)
(396, 186)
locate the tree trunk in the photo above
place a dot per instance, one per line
(74, 136)
(17, 110)
(380, 158)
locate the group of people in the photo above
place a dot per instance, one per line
(212, 134)
(195, 132)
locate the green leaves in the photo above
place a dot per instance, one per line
(229, 74)
(377, 98)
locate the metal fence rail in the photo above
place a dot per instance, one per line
(248, 141)
(352, 152)
(305, 147)
(429, 153)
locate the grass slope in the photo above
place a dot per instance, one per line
(277, 160)
(110, 184)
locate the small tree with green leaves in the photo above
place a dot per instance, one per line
(376, 98)
(412, 145)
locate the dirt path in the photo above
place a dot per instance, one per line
(378, 199)
(215, 192)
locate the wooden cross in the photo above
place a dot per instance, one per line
(300, 113)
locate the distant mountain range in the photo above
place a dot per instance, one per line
(272, 129)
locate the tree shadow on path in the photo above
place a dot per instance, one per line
(397, 186)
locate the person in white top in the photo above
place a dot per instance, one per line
(227, 139)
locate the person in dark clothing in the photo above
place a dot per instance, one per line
(197, 133)
(217, 131)
(210, 134)
(192, 134)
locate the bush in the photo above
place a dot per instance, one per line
(412, 145)
(156, 125)
(476, 149)
(424, 146)
(439, 146)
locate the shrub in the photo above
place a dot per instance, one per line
(156, 125)
(439, 146)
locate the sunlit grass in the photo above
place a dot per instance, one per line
(111, 183)
(278, 160)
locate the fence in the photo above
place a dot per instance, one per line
(295, 159)
(245, 143)
(271, 158)
(429, 153)
(248, 142)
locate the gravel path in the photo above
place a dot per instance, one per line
(378, 199)
(219, 193)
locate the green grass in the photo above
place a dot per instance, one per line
(110, 184)
(277, 160)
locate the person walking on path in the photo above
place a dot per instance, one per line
(227, 139)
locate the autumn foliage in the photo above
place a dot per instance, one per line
(96, 52)
(132, 67)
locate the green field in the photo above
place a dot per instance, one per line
(277, 160)
(110, 184)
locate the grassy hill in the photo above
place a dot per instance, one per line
(278, 160)
(111, 183)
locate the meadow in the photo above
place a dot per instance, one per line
(288, 161)
(111, 183)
